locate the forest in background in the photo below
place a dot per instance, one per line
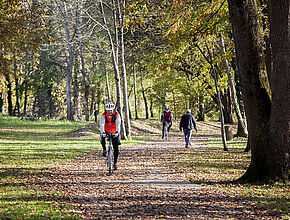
(62, 52)
(61, 59)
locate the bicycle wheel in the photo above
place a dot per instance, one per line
(110, 159)
(165, 132)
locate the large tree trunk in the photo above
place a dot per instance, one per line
(278, 148)
(69, 64)
(270, 148)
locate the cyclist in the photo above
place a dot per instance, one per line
(110, 124)
(187, 123)
(166, 117)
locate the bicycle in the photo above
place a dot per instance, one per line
(109, 159)
(165, 130)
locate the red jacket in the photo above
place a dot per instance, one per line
(110, 124)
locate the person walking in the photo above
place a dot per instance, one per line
(166, 117)
(187, 123)
(110, 122)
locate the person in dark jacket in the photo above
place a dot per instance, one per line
(187, 123)
(166, 117)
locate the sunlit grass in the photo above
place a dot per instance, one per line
(27, 150)
(217, 168)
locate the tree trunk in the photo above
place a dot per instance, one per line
(226, 107)
(201, 116)
(25, 98)
(82, 63)
(107, 82)
(135, 93)
(220, 109)
(144, 95)
(50, 103)
(278, 149)
(213, 71)
(151, 108)
(76, 91)
(266, 158)
(124, 73)
(9, 96)
(16, 110)
(242, 128)
(1, 103)
(114, 54)
(69, 64)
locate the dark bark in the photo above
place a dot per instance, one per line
(267, 124)
(151, 108)
(1, 103)
(16, 110)
(201, 112)
(278, 149)
(144, 95)
(227, 107)
(9, 96)
(25, 98)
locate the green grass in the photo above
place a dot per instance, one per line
(27, 150)
(217, 168)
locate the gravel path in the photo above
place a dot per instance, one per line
(147, 185)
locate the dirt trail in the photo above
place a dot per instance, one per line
(147, 185)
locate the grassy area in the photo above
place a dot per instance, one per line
(216, 168)
(27, 151)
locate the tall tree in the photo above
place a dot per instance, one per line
(121, 19)
(279, 129)
(115, 60)
(242, 128)
(69, 63)
(78, 18)
(268, 122)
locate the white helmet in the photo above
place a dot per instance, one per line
(110, 106)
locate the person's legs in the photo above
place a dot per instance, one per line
(163, 125)
(169, 126)
(103, 142)
(188, 136)
(185, 131)
(115, 143)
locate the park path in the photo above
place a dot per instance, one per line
(147, 185)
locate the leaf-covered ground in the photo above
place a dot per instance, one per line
(148, 184)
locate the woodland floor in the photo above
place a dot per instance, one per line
(147, 185)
